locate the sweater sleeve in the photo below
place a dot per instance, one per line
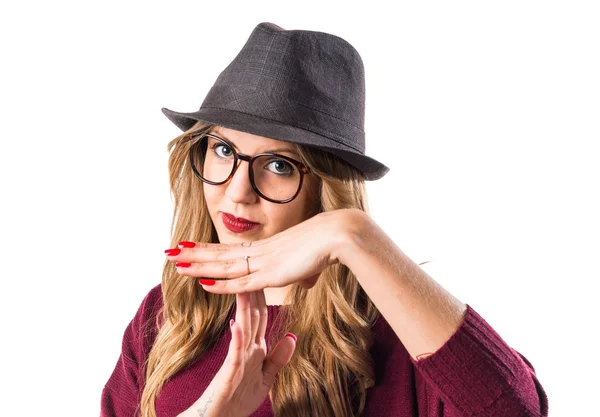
(475, 373)
(122, 392)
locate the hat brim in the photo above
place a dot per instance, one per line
(260, 126)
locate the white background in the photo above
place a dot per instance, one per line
(488, 116)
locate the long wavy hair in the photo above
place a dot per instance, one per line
(331, 368)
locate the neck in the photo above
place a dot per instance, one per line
(276, 296)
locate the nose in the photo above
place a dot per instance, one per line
(239, 189)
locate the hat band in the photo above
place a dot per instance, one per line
(292, 113)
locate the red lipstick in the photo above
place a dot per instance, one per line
(238, 224)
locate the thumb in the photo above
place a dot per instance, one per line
(278, 358)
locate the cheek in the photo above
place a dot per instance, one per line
(211, 195)
(308, 200)
(294, 213)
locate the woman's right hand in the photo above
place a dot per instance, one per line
(241, 385)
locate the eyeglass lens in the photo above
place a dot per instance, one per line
(275, 178)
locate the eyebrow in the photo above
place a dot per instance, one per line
(278, 150)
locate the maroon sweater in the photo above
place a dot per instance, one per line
(475, 373)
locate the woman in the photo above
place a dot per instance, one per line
(280, 296)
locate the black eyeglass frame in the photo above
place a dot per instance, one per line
(237, 157)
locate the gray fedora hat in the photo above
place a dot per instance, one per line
(298, 86)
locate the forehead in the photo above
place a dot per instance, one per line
(249, 140)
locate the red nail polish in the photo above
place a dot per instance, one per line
(207, 281)
(186, 244)
(292, 335)
(183, 264)
(172, 252)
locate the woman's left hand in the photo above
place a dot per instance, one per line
(296, 255)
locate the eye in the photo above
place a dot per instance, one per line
(222, 151)
(281, 167)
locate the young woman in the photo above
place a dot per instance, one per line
(280, 296)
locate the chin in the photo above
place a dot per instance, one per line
(225, 237)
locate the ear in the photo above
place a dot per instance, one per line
(309, 282)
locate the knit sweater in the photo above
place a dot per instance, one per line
(475, 373)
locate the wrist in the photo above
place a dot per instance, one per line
(350, 230)
(208, 405)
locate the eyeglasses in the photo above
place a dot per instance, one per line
(276, 178)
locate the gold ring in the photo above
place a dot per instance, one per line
(247, 264)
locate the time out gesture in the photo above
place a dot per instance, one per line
(421, 312)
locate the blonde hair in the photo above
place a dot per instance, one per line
(331, 368)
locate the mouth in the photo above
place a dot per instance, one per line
(238, 224)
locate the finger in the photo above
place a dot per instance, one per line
(243, 317)
(255, 317)
(248, 283)
(278, 358)
(209, 252)
(226, 268)
(235, 356)
(264, 316)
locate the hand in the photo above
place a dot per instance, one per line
(247, 374)
(296, 255)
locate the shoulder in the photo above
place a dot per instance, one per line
(144, 325)
(153, 299)
(151, 304)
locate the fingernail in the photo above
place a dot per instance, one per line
(186, 244)
(292, 335)
(183, 264)
(172, 252)
(207, 281)
(231, 322)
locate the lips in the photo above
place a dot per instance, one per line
(238, 224)
(238, 219)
